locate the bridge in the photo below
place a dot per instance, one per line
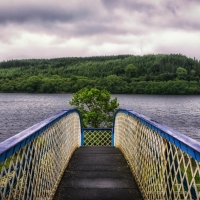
(136, 159)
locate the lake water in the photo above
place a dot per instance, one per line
(20, 111)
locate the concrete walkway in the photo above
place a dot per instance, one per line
(97, 173)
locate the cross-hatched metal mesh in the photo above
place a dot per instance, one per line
(97, 137)
(162, 170)
(34, 171)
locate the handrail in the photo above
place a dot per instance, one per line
(165, 163)
(31, 164)
(187, 144)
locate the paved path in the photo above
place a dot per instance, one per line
(97, 173)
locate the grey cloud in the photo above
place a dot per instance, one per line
(94, 22)
(88, 28)
(128, 5)
(172, 15)
(62, 20)
(45, 14)
(192, 1)
(111, 4)
(186, 25)
(172, 7)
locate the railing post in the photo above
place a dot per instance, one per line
(112, 142)
(82, 137)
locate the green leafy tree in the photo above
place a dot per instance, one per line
(114, 84)
(131, 70)
(117, 74)
(181, 73)
(96, 107)
(33, 83)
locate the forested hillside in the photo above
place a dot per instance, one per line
(148, 74)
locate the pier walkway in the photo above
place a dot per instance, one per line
(97, 173)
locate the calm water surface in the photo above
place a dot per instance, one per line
(20, 111)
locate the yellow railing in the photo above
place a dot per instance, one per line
(97, 137)
(165, 164)
(32, 162)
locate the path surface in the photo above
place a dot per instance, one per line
(97, 173)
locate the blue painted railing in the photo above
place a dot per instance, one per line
(165, 163)
(32, 162)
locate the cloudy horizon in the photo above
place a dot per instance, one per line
(50, 29)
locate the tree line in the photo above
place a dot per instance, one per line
(128, 74)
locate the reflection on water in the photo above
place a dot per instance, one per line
(20, 111)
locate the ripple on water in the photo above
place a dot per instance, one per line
(20, 111)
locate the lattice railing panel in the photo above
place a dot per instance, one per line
(162, 170)
(34, 171)
(97, 137)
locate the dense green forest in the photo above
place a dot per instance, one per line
(128, 74)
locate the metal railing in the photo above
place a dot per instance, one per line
(165, 163)
(97, 137)
(33, 161)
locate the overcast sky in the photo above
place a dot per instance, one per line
(65, 28)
